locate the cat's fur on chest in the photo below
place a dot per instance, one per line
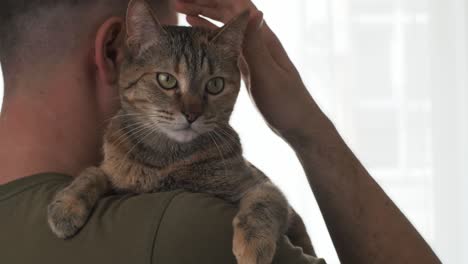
(157, 163)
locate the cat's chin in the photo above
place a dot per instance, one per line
(182, 136)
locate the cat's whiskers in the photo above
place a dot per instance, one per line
(112, 118)
(224, 145)
(228, 142)
(166, 118)
(136, 132)
(134, 129)
(220, 153)
(144, 136)
(233, 141)
(151, 131)
(165, 112)
(146, 116)
(130, 115)
(136, 115)
(210, 121)
(231, 137)
(123, 133)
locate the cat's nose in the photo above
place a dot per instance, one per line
(191, 117)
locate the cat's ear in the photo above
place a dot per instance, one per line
(143, 28)
(232, 33)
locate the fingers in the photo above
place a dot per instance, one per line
(277, 50)
(196, 21)
(220, 10)
(193, 9)
(206, 3)
(255, 51)
(245, 71)
(255, 24)
(261, 74)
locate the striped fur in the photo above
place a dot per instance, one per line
(144, 152)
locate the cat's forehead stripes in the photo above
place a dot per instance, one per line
(189, 48)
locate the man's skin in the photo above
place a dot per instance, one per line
(50, 129)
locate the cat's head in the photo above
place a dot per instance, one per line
(182, 81)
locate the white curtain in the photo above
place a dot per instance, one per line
(392, 75)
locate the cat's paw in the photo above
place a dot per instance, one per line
(252, 245)
(67, 215)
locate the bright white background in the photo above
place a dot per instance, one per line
(392, 75)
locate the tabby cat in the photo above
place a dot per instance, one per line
(178, 87)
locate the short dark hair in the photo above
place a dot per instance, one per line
(15, 15)
(18, 18)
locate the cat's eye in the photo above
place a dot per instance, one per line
(215, 86)
(167, 81)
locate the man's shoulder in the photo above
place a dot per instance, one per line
(168, 227)
(195, 226)
(172, 227)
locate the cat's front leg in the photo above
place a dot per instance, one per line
(262, 219)
(71, 207)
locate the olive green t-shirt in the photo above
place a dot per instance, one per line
(173, 228)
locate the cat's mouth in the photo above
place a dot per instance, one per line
(185, 127)
(183, 133)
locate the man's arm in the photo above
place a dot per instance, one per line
(365, 225)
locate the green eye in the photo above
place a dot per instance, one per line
(167, 81)
(215, 86)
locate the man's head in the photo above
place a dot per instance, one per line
(55, 38)
(59, 60)
(38, 32)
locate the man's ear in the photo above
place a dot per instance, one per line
(143, 28)
(108, 49)
(232, 33)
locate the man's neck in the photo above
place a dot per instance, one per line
(46, 132)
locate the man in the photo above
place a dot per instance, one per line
(59, 62)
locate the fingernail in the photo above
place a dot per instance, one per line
(262, 20)
(261, 24)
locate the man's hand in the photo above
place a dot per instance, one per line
(272, 80)
(219, 10)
